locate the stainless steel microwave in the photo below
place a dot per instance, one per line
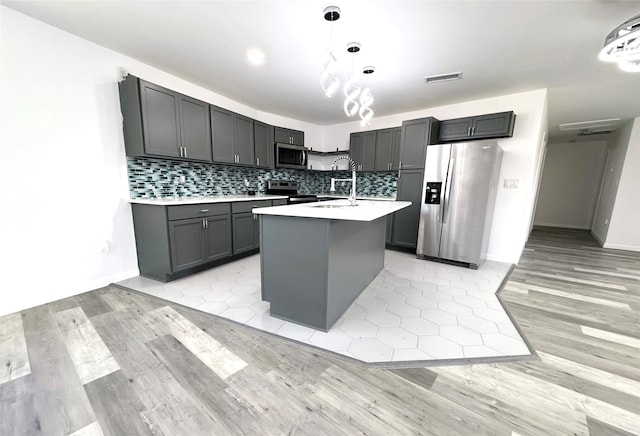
(291, 156)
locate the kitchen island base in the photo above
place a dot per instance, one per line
(313, 269)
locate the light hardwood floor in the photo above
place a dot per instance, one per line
(113, 361)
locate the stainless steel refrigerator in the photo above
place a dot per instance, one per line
(458, 197)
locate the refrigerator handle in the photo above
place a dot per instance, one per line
(447, 188)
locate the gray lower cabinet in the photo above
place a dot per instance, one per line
(405, 221)
(246, 226)
(173, 240)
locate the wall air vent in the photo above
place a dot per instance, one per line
(443, 77)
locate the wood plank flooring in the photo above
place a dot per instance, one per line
(116, 362)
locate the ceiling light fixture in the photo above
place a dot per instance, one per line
(622, 45)
(357, 101)
(255, 56)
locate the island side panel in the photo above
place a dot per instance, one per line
(356, 258)
(293, 259)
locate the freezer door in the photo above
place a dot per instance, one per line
(435, 174)
(466, 198)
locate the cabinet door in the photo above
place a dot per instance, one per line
(218, 236)
(405, 221)
(196, 129)
(160, 120)
(368, 151)
(384, 149)
(297, 137)
(243, 139)
(499, 125)
(243, 232)
(222, 135)
(187, 243)
(395, 153)
(282, 135)
(355, 148)
(263, 140)
(389, 233)
(414, 143)
(456, 129)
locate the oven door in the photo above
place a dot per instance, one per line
(290, 156)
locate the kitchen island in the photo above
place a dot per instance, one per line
(316, 258)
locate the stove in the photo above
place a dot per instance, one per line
(290, 189)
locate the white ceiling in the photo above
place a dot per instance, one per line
(502, 47)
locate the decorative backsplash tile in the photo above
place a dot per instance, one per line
(157, 178)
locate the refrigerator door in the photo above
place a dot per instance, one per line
(466, 198)
(433, 190)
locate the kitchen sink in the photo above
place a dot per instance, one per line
(331, 206)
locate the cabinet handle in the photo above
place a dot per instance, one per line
(204, 210)
(204, 226)
(258, 161)
(185, 151)
(180, 151)
(473, 130)
(469, 131)
(400, 165)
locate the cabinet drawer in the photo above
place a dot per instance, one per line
(197, 210)
(246, 206)
(280, 202)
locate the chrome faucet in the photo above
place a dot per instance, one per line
(352, 196)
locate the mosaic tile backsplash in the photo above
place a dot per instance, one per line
(158, 178)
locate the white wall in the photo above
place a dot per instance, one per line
(63, 164)
(570, 184)
(616, 152)
(624, 227)
(64, 189)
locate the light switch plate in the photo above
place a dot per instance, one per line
(511, 183)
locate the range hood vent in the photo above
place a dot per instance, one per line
(443, 77)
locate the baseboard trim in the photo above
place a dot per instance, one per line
(562, 226)
(620, 247)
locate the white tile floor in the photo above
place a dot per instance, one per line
(413, 310)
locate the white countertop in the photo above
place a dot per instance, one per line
(363, 197)
(366, 210)
(170, 201)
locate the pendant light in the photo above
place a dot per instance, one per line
(622, 45)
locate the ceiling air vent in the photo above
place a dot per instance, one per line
(443, 77)
(590, 132)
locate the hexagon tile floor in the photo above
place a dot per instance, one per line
(414, 310)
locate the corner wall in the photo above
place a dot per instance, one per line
(570, 184)
(624, 223)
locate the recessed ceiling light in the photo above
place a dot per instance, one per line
(255, 56)
(369, 70)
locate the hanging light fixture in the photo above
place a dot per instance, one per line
(622, 45)
(351, 90)
(328, 80)
(357, 101)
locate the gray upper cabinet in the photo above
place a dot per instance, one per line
(384, 150)
(289, 136)
(163, 123)
(498, 125)
(397, 142)
(195, 129)
(243, 139)
(416, 135)
(362, 150)
(232, 137)
(263, 140)
(222, 135)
